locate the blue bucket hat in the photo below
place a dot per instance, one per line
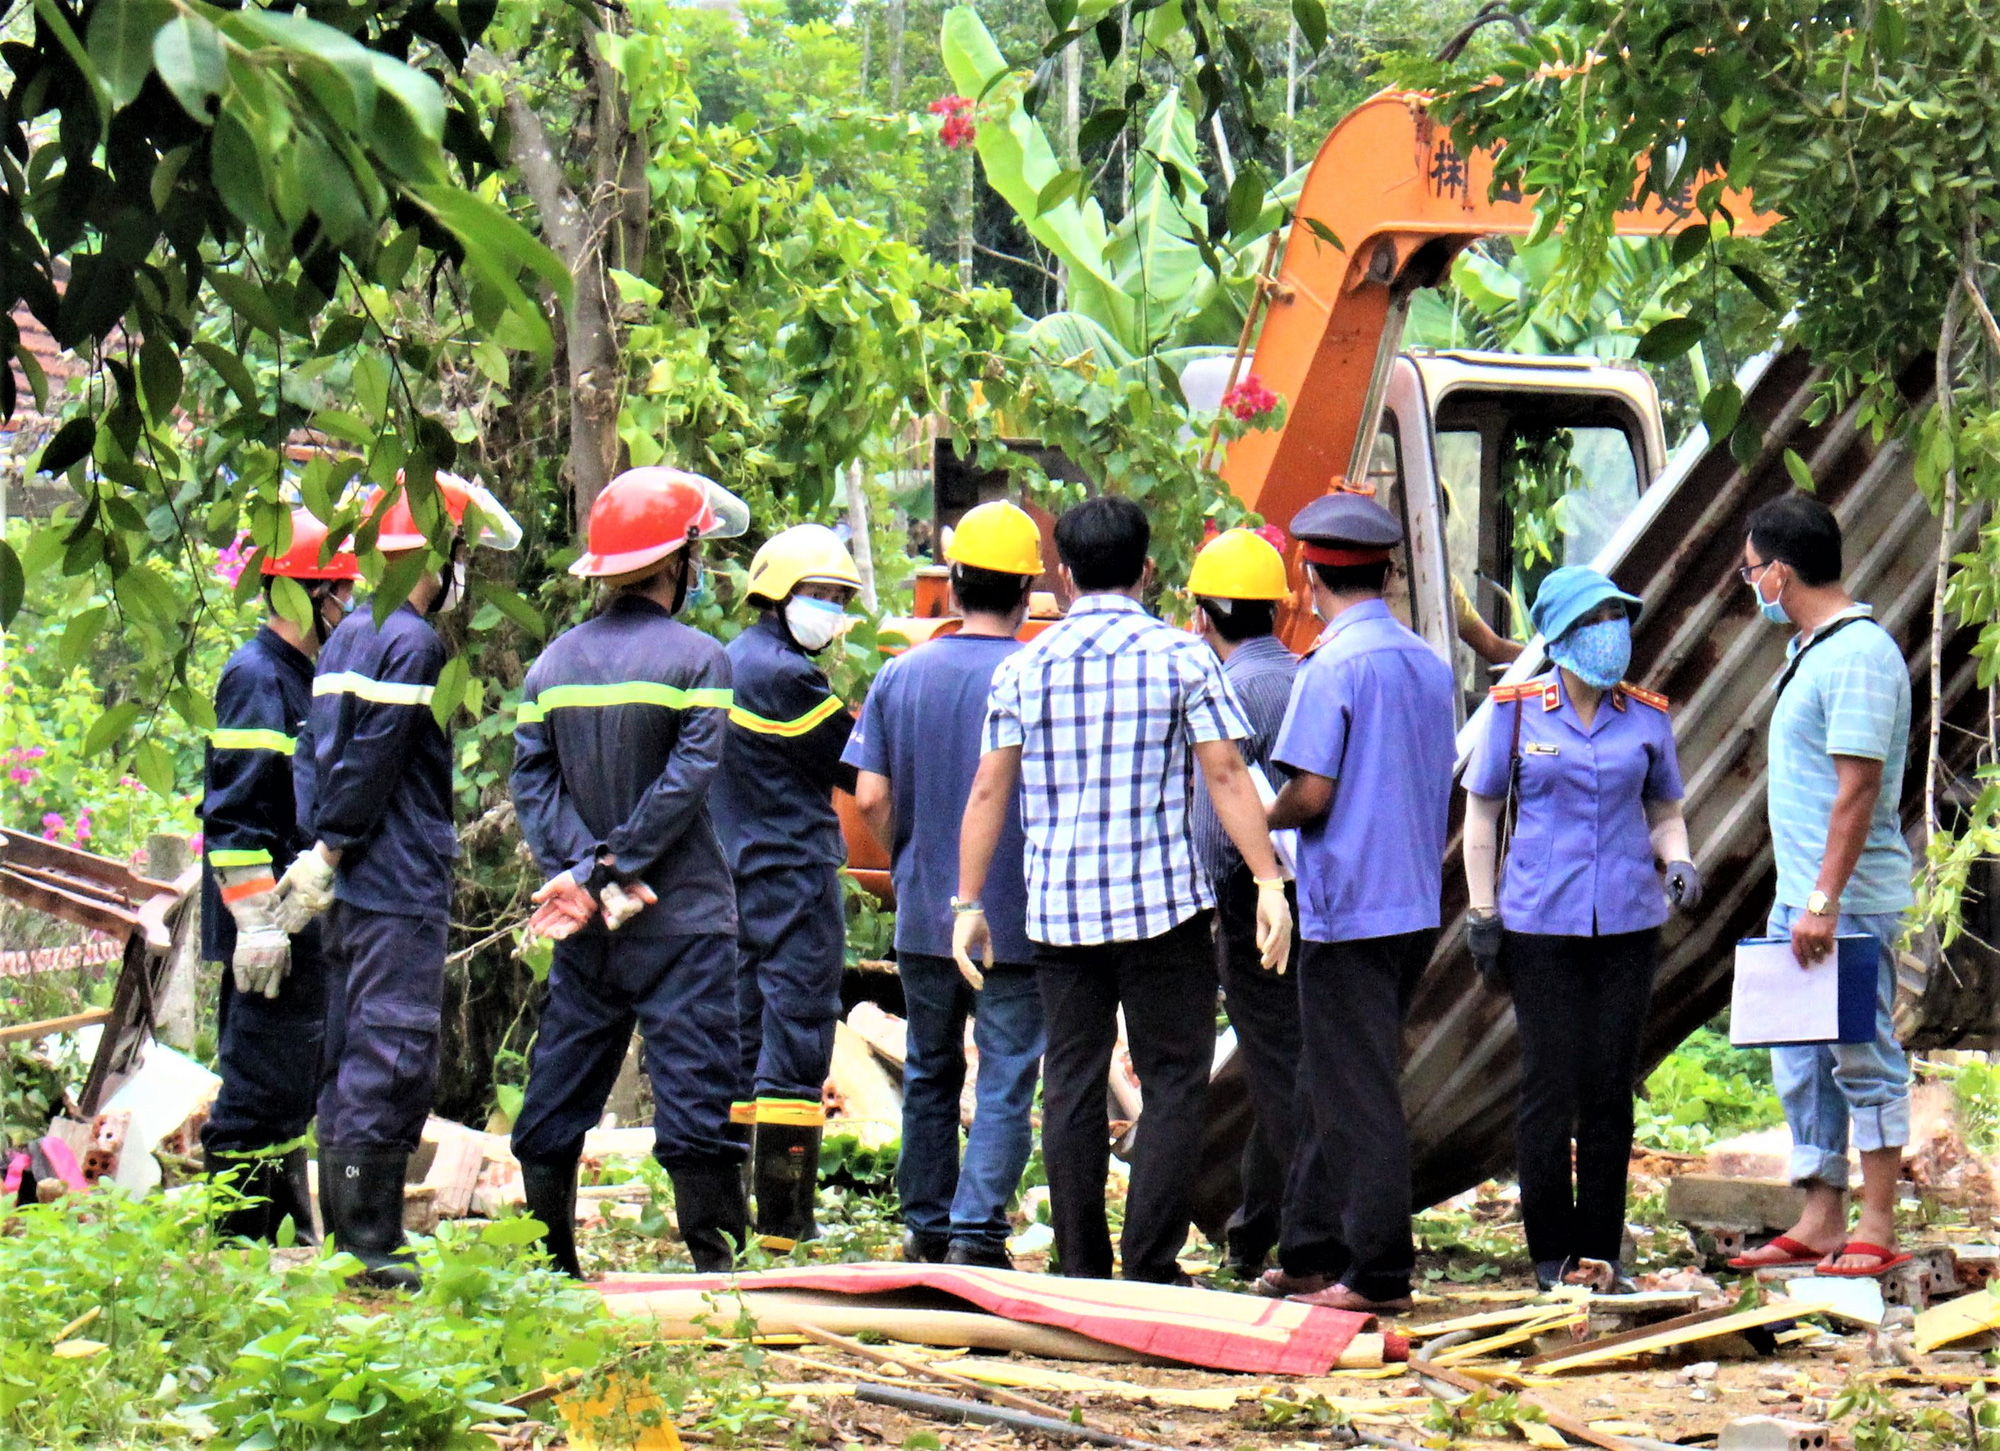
(1570, 593)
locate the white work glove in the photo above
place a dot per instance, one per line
(306, 889)
(622, 904)
(1274, 926)
(563, 906)
(263, 949)
(970, 935)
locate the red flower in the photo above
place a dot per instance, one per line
(957, 129)
(1249, 399)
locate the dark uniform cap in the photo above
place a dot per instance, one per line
(1352, 520)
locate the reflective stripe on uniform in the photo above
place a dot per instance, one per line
(222, 858)
(804, 1113)
(230, 738)
(623, 692)
(739, 716)
(742, 1113)
(378, 692)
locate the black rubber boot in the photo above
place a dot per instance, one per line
(787, 1174)
(550, 1188)
(979, 1255)
(251, 1176)
(291, 1198)
(362, 1190)
(708, 1203)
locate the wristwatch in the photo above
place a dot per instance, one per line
(1820, 905)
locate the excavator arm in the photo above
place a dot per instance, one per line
(1390, 184)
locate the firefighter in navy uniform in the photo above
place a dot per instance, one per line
(774, 808)
(271, 1014)
(619, 736)
(375, 784)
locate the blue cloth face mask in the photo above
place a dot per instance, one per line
(1772, 610)
(1595, 654)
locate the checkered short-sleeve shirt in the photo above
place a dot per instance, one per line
(1106, 708)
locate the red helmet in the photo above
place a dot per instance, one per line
(301, 561)
(645, 514)
(497, 529)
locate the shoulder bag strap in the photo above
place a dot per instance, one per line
(1512, 807)
(1813, 644)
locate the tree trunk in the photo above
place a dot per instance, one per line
(898, 13)
(580, 237)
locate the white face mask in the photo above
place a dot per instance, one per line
(813, 623)
(454, 590)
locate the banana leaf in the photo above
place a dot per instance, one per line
(1153, 251)
(1019, 163)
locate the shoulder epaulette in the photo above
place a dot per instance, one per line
(1645, 697)
(1520, 689)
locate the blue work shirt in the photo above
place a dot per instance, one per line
(618, 738)
(249, 811)
(773, 798)
(1850, 697)
(921, 727)
(1372, 711)
(1261, 672)
(375, 767)
(1581, 860)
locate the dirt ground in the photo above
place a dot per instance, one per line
(1684, 1398)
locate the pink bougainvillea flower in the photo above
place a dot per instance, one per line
(230, 561)
(21, 775)
(1274, 536)
(1249, 399)
(958, 129)
(195, 843)
(52, 826)
(82, 832)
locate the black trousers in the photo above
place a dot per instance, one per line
(1166, 985)
(1264, 1011)
(1352, 1000)
(1580, 1004)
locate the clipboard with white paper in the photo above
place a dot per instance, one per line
(1778, 1004)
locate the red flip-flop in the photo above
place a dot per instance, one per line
(1887, 1257)
(1796, 1253)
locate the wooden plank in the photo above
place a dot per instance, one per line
(1620, 1347)
(1699, 1317)
(1567, 1424)
(1507, 1339)
(27, 1032)
(1490, 1319)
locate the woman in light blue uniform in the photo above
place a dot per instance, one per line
(1575, 933)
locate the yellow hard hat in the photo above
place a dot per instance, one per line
(803, 554)
(998, 536)
(1239, 564)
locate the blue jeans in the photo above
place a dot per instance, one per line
(939, 1197)
(1825, 1085)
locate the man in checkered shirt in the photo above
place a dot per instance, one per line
(1099, 724)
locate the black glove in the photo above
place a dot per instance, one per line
(1482, 936)
(1683, 885)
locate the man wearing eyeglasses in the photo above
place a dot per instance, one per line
(1840, 732)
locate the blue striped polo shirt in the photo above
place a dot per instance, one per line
(1850, 697)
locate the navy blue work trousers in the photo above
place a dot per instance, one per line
(1285, 1189)
(268, 1053)
(1353, 997)
(680, 992)
(939, 1197)
(791, 947)
(384, 1011)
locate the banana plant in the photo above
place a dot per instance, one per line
(1140, 288)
